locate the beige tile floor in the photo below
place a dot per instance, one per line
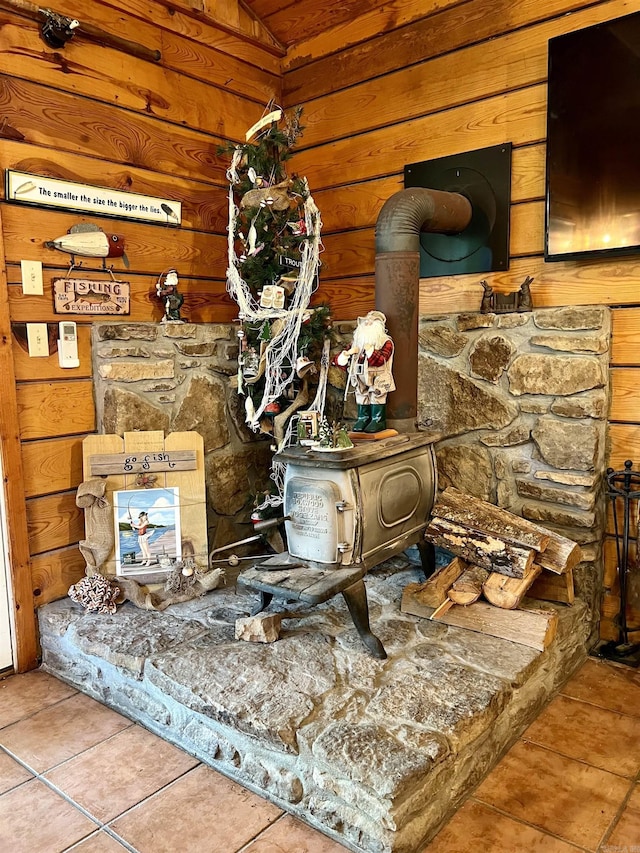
(75, 775)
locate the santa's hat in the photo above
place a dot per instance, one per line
(376, 315)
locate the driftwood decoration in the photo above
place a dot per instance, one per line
(98, 524)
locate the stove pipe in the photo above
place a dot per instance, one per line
(402, 218)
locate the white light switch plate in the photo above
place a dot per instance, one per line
(38, 339)
(32, 277)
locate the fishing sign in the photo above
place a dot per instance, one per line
(26, 188)
(84, 296)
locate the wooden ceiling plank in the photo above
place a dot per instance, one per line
(444, 31)
(306, 18)
(380, 19)
(212, 13)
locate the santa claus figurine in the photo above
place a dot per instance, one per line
(369, 362)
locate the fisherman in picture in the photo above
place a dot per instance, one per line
(142, 528)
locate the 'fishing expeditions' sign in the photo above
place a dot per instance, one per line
(52, 192)
(83, 296)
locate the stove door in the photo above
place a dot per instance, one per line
(315, 528)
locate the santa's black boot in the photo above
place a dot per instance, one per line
(364, 416)
(378, 420)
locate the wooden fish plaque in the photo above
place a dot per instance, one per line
(141, 463)
(86, 296)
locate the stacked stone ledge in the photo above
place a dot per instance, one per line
(175, 377)
(521, 402)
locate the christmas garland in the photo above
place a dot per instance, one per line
(274, 245)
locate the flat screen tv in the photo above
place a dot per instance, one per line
(593, 142)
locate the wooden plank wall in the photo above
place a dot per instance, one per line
(96, 115)
(413, 80)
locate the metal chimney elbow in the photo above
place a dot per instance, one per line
(408, 212)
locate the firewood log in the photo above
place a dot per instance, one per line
(527, 625)
(561, 554)
(483, 517)
(508, 592)
(553, 587)
(433, 591)
(468, 587)
(480, 549)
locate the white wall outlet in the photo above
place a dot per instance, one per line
(38, 340)
(32, 277)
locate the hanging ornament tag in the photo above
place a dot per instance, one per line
(272, 297)
(276, 115)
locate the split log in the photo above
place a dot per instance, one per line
(527, 626)
(507, 593)
(552, 587)
(433, 591)
(561, 554)
(468, 587)
(555, 552)
(480, 549)
(440, 611)
(483, 517)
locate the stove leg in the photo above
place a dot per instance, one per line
(265, 601)
(356, 598)
(427, 552)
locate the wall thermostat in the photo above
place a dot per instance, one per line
(68, 344)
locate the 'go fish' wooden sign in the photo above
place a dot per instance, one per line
(140, 463)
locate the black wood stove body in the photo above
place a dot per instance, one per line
(347, 511)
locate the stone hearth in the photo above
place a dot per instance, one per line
(376, 754)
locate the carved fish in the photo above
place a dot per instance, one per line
(92, 298)
(89, 241)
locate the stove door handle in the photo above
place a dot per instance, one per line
(343, 506)
(269, 523)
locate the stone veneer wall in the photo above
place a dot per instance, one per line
(174, 377)
(521, 402)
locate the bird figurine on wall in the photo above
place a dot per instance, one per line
(88, 240)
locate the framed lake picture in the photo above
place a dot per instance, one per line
(147, 533)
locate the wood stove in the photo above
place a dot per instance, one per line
(346, 511)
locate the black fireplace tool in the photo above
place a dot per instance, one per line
(623, 489)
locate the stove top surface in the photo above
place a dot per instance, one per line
(359, 454)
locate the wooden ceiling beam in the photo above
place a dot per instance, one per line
(232, 16)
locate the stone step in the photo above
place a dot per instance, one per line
(376, 754)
